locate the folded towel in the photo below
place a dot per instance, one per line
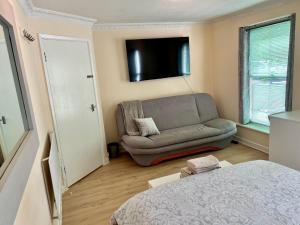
(184, 172)
(203, 164)
(130, 111)
(205, 169)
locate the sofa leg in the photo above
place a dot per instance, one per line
(235, 142)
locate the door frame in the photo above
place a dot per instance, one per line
(44, 37)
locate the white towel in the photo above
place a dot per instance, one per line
(202, 164)
(184, 172)
(205, 169)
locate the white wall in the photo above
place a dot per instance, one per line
(214, 68)
(113, 73)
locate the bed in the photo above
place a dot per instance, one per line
(258, 192)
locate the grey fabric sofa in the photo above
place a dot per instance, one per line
(188, 124)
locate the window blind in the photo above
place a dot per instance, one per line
(268, 49)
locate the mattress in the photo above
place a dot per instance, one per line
(252, 193)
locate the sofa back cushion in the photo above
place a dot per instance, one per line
(206, 107)
(175, 112)
(172, 112)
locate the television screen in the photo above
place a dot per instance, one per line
(158, 58)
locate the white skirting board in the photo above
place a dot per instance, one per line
(251, 144)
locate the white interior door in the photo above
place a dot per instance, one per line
(71, 87)
(11, 125)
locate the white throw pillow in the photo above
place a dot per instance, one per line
(146, 126)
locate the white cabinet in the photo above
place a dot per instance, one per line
(285, 139)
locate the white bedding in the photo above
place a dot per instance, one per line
(252, 193)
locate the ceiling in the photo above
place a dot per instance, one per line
(147, 11)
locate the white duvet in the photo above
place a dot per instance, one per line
(252, 193)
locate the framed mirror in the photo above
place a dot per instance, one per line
(14, 119)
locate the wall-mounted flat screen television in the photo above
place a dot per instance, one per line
(158, 58)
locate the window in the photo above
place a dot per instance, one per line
(266, 65)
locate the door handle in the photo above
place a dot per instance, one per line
(3, 120)
(93, 107)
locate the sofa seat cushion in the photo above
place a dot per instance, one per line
(172, 136)
(221, 124)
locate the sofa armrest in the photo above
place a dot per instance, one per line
(221, 124)
(120, 123)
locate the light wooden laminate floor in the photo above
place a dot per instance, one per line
(92, 200)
